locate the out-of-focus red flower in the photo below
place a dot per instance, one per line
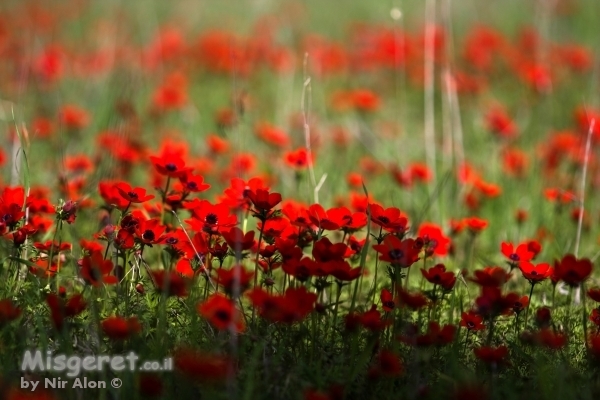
(61, 309)
(74, 117)
(229, 278)
(491, 277)
(221, 313)
(475, 224)
(293, 306)
(551, 339)
(8, 311)
(49, 65)
(543, 317)
(171, 283)
(499, 123)
(150, 385)
(120, 328)
(298, 159)
(202, 367)
(571, 270)
(493, 356)
(515, 162)
(595, 317)
(414, 300)
(388, 301)
(217, 144)
(172, 94)
(387, 364)
(272, 135)
(492, 303)
(594, 294)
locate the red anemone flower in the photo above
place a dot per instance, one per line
(520, 304)
(133, 195)
(150, 232)
(323, 250)
(472, 321)
(522, 252)
(387, 300)
(169, 165)
(535, 273)
(193, 183)
(439, 276)
(95, 270)
(398, 252)
(237, 240)
(390, 219)
(210, 218)
(263, 200)
(435, 242)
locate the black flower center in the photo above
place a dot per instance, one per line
(133, 195)
(192, 185)
(171, 167)
(222, 315)
(383, 219)
(172, 241)
(514, 257)
(95, 274)
(7, 217)
(396, 254)
(148, 235)
(211, 218)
